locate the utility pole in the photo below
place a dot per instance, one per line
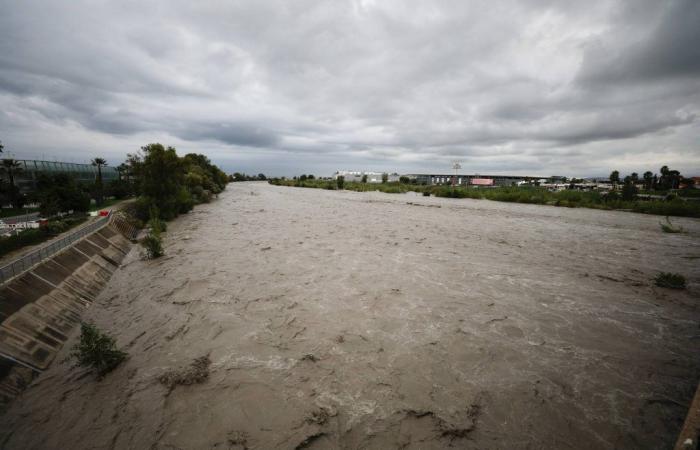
(456, 166)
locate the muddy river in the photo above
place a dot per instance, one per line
(304, 318)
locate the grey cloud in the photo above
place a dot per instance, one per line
(542, 85)
(665, 48)
(248, 135)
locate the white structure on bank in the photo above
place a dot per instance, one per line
(372, 177)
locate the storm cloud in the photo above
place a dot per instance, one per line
(538, 86)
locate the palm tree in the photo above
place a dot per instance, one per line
(12, 167)
(99, 162)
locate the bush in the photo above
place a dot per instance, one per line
(669, 228)
(670, 280)
(153, 245)
(340, 181)
(97, 350)
(426, 193)
(157, 225)
(185, 202)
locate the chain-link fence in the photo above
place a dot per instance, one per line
(30, 259)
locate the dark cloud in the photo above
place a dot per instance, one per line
(247, 135)
(665, 48)
(540, 85)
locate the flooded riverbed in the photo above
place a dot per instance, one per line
(366, 320)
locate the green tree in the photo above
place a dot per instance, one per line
(404, 180)
(340, 181)
(385, 177)
(364, 178)
(12, 167)
(629, 189)
(2, 147)
(614, 178)
(99, 188)
(162, 177)
(60, 193)
(648, 179)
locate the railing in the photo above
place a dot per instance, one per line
(27, 261)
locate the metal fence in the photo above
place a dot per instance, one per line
(27, 261)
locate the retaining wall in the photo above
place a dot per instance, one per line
(39, 308)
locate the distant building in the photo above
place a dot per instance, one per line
(372, 177)
(467, 180)
(27, 176)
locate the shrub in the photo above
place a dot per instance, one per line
(669, 228)
(97, 350)
(341, 182)
(670, 280)
(157, 225)
(153, 245)
(426, 193)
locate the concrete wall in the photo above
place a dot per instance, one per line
(39, 308)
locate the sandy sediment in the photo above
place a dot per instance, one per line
(300, 318)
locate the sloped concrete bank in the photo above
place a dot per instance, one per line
(39, 308)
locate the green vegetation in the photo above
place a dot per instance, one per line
(675, 206)
(670, 280)
(34, 236)
(238, 176)
(340, 181)
(668, 227)
(97, 350)
(99, 188)
(153, 242)
(174, 184)
(10, 212)
(60, 193)
(11, 168)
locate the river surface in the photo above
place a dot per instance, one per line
(365, 320)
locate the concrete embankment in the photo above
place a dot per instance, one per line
(39, 308)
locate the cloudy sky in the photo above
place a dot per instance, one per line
(283, 87)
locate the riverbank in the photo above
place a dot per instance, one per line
(338, 319)
(684, 205)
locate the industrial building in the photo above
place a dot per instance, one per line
(471, 180)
